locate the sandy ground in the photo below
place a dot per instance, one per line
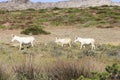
(101, 36)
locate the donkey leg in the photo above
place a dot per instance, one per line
(62, 45)
(81, 46)
(70, 44)
(20, 46)
(93, 46)
(32, 44)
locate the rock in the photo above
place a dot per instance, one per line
(20, 1)
(26, 4)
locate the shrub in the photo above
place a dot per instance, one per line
(42, 20)
(55, 23)
(62, 70)
(3, 11)
(94, 8)
(35, 30)
(56, 52)
(111, 73)
(89, 52)
(67, 70)
(56, 8)
(81, 78)
(31, 9)
(112, 69)
(42, 10)
(100, 76)
(30, 71)
(110, 50)
(104, 6)
(72, 10)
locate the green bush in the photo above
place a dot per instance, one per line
(99, 76)
(93, 8)
(113, 71)
(42, 10)
(56, 8)
(3, 11)
(34, 30)
(31, 9)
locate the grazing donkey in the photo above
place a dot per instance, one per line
(63, 41)
(84, 41)
(23, 40)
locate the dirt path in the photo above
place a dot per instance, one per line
(111, 35)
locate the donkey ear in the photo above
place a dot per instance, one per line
(57, 38)
(13, 35)
(76, 37)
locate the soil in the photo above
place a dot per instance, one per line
(101, 36)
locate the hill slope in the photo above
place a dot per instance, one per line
(102, 17)
(26, 4)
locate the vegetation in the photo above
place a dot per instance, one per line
(51, 61)
(101, 17)
(34, 30)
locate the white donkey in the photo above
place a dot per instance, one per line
(84, 41)
(23, 40)
(63, 41)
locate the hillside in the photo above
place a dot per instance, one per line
(101, 17)
(26, 4)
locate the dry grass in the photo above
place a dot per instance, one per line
(56, 70)
(54, 62)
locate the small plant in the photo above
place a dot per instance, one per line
(31, 9)
(93, 8)
(34, 30)
(55, 23)
(42, 10)
(114, 71)
(42, 20)
(81, 78)
(99, 76)
(90, 23)
(2, 27)
(56, 8)
(89, 52)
